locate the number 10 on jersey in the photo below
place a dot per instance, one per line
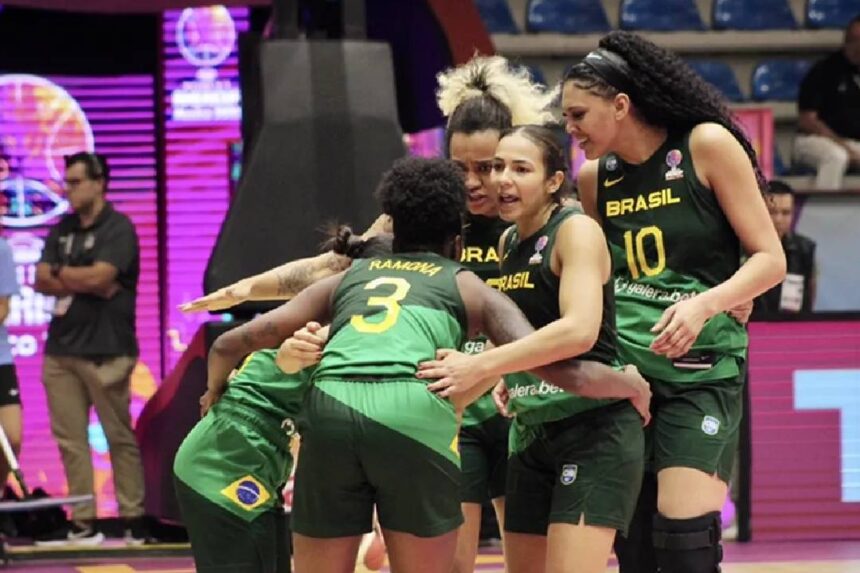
(634, 246)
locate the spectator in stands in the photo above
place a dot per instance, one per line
(829, 105)
(91, 263)
(797, 292)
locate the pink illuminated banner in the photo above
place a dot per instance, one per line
(201, 82)
(134, 6)
(805, 403)
(41, 120)
(757, 122)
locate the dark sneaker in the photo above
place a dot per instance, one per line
(136, 531)
(74, 533)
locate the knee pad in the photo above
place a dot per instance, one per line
(688, 545)
(635, 552)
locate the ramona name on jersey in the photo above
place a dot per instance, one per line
(422, 267)
(479, 255)
(655, 200)
(515, 281)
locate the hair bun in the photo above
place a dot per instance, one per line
(343, 239)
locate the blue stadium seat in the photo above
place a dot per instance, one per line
(778, 79)
(830, 13)
(566, 16)
(779, 167)
(753, 15)
(660, 15)
(496, 16)
(720, 75)
(536, 74)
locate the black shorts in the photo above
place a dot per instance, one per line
(588, 466)
(222, 542)
(484, 459)
(10, 394)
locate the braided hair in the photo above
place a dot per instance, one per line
(666, 92)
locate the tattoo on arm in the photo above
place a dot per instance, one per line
(247, 339)
(299, 276)
(336, 263)
(291, 281)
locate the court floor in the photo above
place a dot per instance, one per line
(762, 557)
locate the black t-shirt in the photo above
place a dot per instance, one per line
(832, 88)
(800, 261)
(93, 326)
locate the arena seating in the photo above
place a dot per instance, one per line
(660, 15)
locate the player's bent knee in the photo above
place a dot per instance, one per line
(688, 545)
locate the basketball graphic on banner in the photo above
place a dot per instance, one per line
(42, 123)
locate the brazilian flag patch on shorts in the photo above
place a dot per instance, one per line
(247, 493)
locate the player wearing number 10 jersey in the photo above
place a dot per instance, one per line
(677, 191)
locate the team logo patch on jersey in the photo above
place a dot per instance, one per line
(247, 493)
(568, 473)
(611, 163)
(537, 258)
(710, 425)
(288, 426)
(673, 160)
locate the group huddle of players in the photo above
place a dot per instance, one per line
(516, 357)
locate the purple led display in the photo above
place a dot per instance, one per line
(41, 120)
(202, 104)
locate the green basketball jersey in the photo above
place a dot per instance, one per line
(263, 387)
(238, 455)
(528, 279)
(480, 245)
(670, 241)
(390, 314)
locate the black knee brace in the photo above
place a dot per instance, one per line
(636, 551)
(688, 545)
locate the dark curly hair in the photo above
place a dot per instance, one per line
(665, 90)
(426, 199)
(343, 241)
(552, 153)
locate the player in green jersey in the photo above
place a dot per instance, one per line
(230, 468)
(372, 433)
(575, 464)
(481, 99)
(675, 185)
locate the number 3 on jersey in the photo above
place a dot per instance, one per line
(636, 259)
(390, 303)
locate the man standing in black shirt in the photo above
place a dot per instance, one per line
(829, 106)
(91, 263)
(797, 292)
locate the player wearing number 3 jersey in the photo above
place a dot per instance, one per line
(372, 433)
(674, 183)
